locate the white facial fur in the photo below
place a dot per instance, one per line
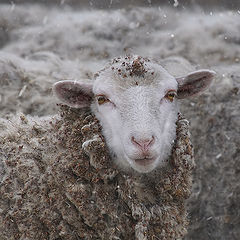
(130, 98)
(140, 111)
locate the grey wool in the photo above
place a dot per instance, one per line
(57, 181)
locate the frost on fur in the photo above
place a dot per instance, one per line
(58, 181)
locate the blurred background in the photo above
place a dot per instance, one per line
(231, 4)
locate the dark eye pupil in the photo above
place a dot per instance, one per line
(102, 99)
(170, 96)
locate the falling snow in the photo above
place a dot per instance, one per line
(176, 3)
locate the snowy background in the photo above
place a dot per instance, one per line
(43, 43)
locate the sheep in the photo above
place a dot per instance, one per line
(66, 176)
(134, 99)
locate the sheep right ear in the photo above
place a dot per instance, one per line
(194, 83)
(73, 93)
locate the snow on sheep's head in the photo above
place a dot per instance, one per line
(136, 102)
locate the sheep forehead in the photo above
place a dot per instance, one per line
(140, 100)
(129, 71)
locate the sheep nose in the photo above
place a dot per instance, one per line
(143, 144)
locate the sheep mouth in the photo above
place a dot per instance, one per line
(144, 161)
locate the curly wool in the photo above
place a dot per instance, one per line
(58, 182)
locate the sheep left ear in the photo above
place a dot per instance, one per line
(74, 93)
(194, 83)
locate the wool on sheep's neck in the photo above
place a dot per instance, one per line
(58, 181)
(115, 203)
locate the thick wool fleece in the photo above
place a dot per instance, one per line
(57, 181)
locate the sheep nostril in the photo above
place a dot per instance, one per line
(151, 141)
(143, 144)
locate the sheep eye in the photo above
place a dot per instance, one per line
(171, 95)
(102, 99)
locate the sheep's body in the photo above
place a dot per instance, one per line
(51, 189)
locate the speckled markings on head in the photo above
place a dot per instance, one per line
(133, 70)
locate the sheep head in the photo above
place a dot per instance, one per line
(136, 102)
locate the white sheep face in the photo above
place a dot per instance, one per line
(136, 102)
